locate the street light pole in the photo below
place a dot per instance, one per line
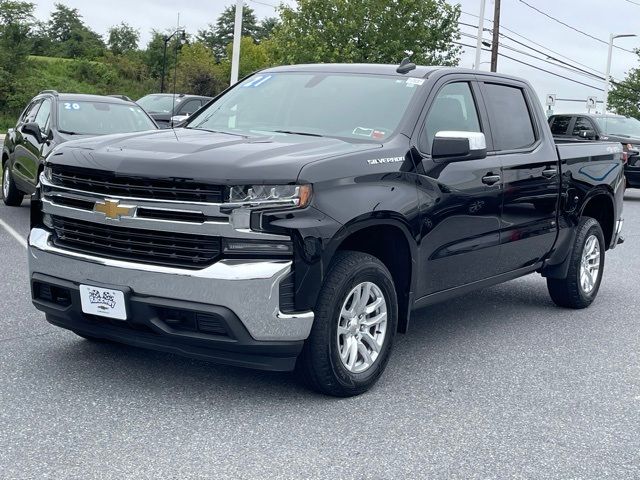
(480, 33)
(164, 53)
(612, 37)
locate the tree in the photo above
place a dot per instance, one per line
(218, 36)
(266, 27)
(123, 39)
(16, 23)
(253, 56)
(624, 98)
(70, 37)
(197, 72)
(377, 31)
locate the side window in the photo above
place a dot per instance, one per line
(582, 124)
(560, 125)
(190, 107)
(510, 118)
(30, 112)
(44, 115)
(453, 109)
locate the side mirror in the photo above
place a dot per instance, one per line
(33, 129)
(588, 134)
(451, 146)
(179, 120)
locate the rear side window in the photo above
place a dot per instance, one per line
(509, 116)
(44, 115)
(582, 124)
(560, 125)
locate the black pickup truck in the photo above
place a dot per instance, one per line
(301, 218)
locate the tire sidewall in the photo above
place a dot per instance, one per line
(592, 229)
(369, 272)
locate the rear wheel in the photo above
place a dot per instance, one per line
(355, 323)
(586, 266)
(10, 194)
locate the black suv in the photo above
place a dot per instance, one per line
(52, 118)
(612, 128)
(162, 107)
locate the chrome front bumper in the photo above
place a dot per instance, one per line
(250, 288)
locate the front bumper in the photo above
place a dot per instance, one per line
(245, 291)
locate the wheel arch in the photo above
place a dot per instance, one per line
(375, 236)
(600, 205)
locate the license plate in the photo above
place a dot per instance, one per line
(103, 301)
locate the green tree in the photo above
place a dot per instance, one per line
(123, 39)
(266, 27)
(253, 56)
(70, 37)
(218, 36)
(197, 71)
(377, 31)
(624, 98)
(16, 23)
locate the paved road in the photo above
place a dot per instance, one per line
(498, 384)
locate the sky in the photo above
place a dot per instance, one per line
(598, 18)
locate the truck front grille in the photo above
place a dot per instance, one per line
(109, 183)
(142, 246)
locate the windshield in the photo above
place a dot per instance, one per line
(629, 127)
(101, 118)
(158, 103)
(323, 104)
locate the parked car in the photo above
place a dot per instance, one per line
(53, 118)
(612, 128)
(165, 111)
(301, 218)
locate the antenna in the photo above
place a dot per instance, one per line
(406, 65)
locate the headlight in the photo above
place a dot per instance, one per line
(47, 173)
(296, 196)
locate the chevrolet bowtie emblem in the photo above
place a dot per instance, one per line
(112, 209)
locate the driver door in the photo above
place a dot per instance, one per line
(461, 200)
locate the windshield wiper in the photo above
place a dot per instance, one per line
(67, 132)
(620, 135)
(308, 134)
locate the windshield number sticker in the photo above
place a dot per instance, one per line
(257, 81)
(411, 82)
(71, 106)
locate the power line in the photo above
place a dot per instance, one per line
(564, 65)
(632, 2)
(571, 27)
(536, 67)
(534, 43)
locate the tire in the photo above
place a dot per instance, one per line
(570, 292)
(11, 196)
(320, 362)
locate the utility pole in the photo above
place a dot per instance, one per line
(480, 33)
(237, 36)
(607, 87)
(496, 36)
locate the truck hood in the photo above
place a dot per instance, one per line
(204, 156)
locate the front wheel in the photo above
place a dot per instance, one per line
(586, 266)
(355, 322)
(10, 194)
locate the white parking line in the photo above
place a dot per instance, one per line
(21, 240)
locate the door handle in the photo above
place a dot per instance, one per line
(490, 179)
(550, 172)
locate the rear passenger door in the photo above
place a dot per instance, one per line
(530, 176)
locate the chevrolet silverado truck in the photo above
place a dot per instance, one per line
(300, 218)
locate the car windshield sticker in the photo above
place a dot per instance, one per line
(412, 82)
(257, 81)
(379, 134)
(71, 106)
(362, 131)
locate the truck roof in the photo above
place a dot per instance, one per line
(421, 71)
(78, 97)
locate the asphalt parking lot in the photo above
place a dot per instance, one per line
(498, 384)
